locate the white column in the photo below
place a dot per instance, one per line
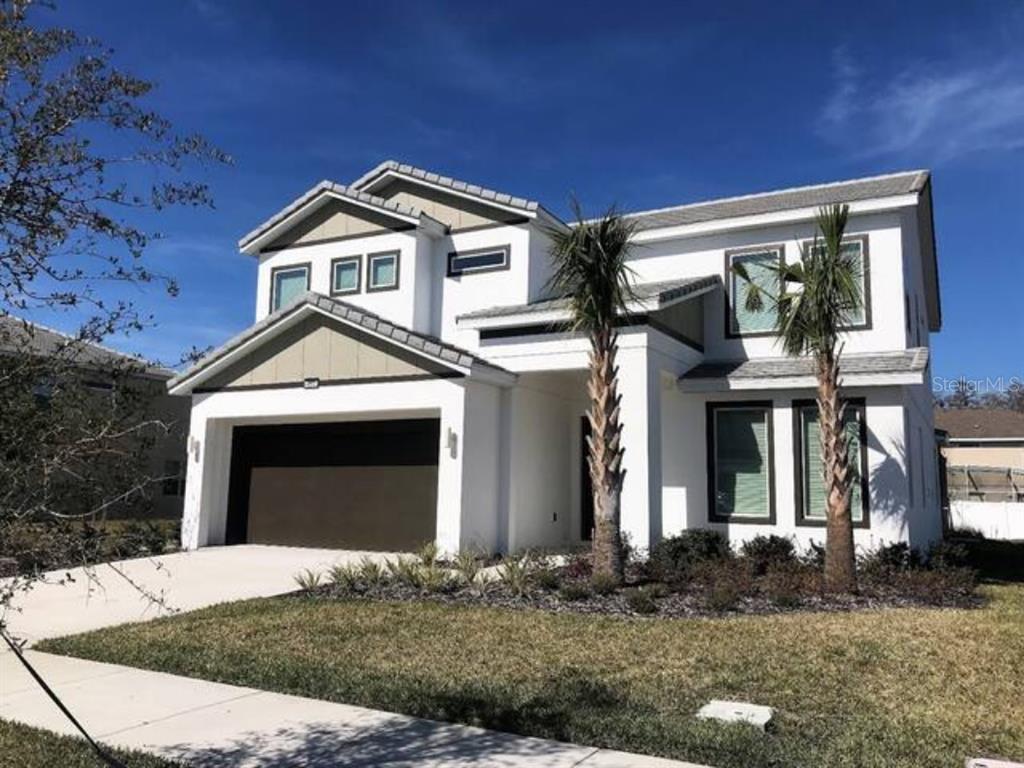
(639, 386)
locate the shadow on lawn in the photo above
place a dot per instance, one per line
(382, 739)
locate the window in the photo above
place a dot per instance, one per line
(480, 260)
(174, 479)
(740, 473)
(758, 263)
(383, 271)
(346, 274)
(810, 477)
(287, 284)
(856, 248)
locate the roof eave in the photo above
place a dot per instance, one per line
(731, 384)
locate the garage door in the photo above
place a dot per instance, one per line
(354, 485)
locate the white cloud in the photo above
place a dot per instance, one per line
(925, 111)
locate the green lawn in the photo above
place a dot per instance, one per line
(24, 747)
(910, 687)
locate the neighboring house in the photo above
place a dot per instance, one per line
(983, 449)
(166, 460)
(407, 380)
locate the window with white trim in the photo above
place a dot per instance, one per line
(382, 271)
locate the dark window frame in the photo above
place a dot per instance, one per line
(866, 261)
(731, 327)
(710, 408)
(370, 288)
(358, 259)
(505, 250)
(802, 520)
(306, 265)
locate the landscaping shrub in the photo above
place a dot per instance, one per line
(371, 572)
(603, 583)
(578, 566)
(435, 579)
(514, 574)
(966, 533)
(547, 579)
(765, 552)
(814, 556)
(673, 559)
(723, 583)
(345, 577)
(893, 558)
(640, 600)
(428, 554)
(574, 591)
(940, 587)
(308, 579)
(468, 567)
(406, 571)
(787, 585)
(945, 554)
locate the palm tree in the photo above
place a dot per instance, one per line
(591, 271)
(817, 298)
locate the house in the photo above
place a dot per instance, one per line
(407, 377)
(94, 364)
(983, 450)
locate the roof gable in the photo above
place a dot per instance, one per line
(419, 350)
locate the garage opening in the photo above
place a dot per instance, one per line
(354, 485)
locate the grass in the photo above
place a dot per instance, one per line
(908, 687)
(27, 747)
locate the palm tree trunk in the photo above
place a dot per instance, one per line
(840, 565)
(605, 453)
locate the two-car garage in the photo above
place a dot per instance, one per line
(369, 485)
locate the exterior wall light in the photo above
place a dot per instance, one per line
(311, 383)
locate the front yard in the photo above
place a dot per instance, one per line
(24, 747)
(906, 687)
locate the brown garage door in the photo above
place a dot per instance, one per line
(354, 485)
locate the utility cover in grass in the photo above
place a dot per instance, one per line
(737, 712)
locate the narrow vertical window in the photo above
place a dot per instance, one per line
(760, 264)
(856, 250)
(810, 478)
(740, 479)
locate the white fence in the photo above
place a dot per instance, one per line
(995, 519)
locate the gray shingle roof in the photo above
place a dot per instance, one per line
(783, 200)
(23, 337)
(428, 345)
(385, 206)
(660, 292)
(905, 361)
(489, 195)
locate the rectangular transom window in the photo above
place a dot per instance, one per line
(810, 475)
(740, 471)
(479, 260)
(856, 249)
(346, 275)
(758, 263)
(382, 274)
(287, 284)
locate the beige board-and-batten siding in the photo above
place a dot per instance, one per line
(333, 221)
(318, 347)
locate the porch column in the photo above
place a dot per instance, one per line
(639, 386)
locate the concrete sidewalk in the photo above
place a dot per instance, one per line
(211, 724)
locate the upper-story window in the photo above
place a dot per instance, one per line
(478, 260)
(346, 275)
(759, 263)
(856, 248)
(382, 272)
(287, 284)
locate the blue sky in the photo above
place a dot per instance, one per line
(643, 105)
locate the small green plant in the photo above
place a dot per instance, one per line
(345, 576)
(547, 579)
(435, 579)
(308, 579)
(467, 566)
(371, 572)
(407, 571)
(674, 559)
(514, 574)
(574, 591)
(428, 554)
(640, 600)
(657, 590)
(765, 552)
(603, 583)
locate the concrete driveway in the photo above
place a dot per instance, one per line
(182, 581)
